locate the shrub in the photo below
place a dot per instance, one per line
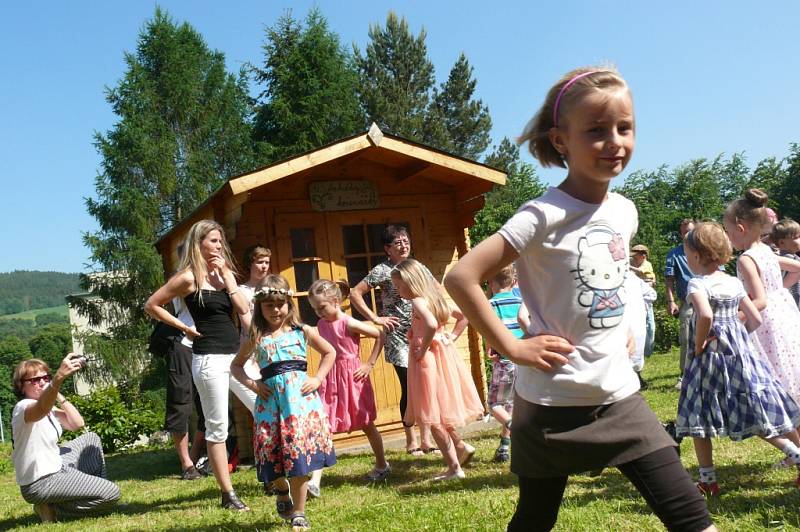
(118, 424)
(667, 329)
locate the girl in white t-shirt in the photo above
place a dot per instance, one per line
(576, 406)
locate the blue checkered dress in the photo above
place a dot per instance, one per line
(729, 390)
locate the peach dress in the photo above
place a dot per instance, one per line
(440, 388)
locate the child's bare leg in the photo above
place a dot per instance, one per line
(425, 437)
(704, 450)
(299, 487)
(411, 438)
(376, 442)
(501, 414)
(445, 443)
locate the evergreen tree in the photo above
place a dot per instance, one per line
(310, 81)
(787, 192)
(455, 122)
(396, 78)
(522, 184)
(182, 131)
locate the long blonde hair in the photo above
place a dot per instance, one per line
(422, 284)
(275, 288)
(192, 257)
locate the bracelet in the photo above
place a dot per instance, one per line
(233, 292)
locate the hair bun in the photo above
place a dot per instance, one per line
(756, 197)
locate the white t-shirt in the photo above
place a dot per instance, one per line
(184, 316)
(36, 451)
(573, 257)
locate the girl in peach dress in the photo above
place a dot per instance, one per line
(441, 393)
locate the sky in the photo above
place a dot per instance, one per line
(707, 77)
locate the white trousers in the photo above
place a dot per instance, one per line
(212, 378)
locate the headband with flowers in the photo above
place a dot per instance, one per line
(269, 291)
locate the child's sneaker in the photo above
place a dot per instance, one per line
(377, 475)
(708, 489)
(313, 491)
(300, 523)
(502, 454)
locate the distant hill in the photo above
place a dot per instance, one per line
(24, 290)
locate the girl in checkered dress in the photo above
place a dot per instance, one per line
(727, 389)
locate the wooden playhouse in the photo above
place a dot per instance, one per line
(322, 214)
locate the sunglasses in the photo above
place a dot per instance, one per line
(40, 378)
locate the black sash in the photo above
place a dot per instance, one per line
(285, 366)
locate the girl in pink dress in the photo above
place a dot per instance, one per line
(346, 392)
(441, 393)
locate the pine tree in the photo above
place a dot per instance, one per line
(455, 122)
(396, 78)
(182, 130)
(310, 81)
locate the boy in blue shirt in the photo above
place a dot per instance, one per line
(506, 306)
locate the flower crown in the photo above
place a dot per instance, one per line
(269, 291)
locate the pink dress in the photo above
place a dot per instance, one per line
(778, 338)
(440, 389)
(349, 404)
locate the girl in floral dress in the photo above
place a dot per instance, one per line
(292, 436)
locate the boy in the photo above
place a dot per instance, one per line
(786, 235)
(506, 306)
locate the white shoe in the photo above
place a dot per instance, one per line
(455, 475)
(465, 454)
(313, 491)
(679, 384)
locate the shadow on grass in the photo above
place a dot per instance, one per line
(145, 465)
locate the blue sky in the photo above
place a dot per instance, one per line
(708, 77)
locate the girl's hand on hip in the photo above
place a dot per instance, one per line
(546, 352)
(362, 372)
(311, 385)
(262, 390)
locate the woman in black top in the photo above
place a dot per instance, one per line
(206, 281)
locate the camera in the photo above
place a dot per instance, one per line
(82, 360)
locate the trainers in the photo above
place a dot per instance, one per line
(313, 491)
(502, 454)
(191, 473)
(203, 466)
(708, 489)
(379, 474)
(679, 384)
(231, 501)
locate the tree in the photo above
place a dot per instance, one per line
(455, 122)
(788, 191)
(502, 202)
(309, 98)
(12, 351)
(396, 78)
(51, 343)
(182, 131)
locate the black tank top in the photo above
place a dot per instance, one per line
(213, 319)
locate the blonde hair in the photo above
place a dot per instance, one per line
(786, 228)
(192, 258)
(537, 131)
(422, 284)
(750, 209)
(326, 289)
(711, 242)
(23, 370)
(275, 288)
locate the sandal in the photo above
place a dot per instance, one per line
(231, 501)
(416, 452)
(300, 523)
(432, 450)
(284, 505)
(465, 454)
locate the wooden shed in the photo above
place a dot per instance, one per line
(322, 214)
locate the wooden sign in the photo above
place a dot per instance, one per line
(343, 195)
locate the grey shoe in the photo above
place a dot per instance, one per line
(377, 475)
(191, 473)
(502, 454)
(313, 491)
(203, 466)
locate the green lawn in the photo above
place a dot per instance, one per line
(755, 496)
(30, 315)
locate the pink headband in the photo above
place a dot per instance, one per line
(564, 89)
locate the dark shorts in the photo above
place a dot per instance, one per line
(181, 393)
(553, 441)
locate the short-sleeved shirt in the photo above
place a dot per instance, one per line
(573, 258)
(795, 288)
(396, 348)
(677, 267)
(506, 307)
(36, 452)
(647, 274)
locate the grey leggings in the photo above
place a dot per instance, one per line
(81, 485)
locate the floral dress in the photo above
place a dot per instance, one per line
(728, 390)
(292, 436)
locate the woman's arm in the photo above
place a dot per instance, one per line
(179, 285)
(358, 327)
(68, 415)
(748, 273)
(704, 317)
(328, 354)
(463, 282)
(44, 404)
(420, 310)
(357, 294)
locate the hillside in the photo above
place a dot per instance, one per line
(23, 290)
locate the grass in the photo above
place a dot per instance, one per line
(755, 496)
(30, 315)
